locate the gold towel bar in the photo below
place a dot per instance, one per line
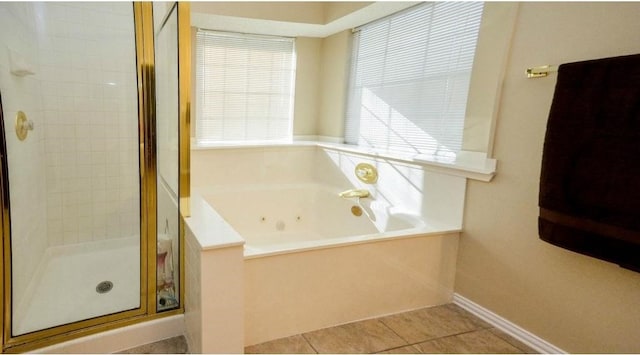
(541, 71)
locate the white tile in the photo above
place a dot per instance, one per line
(95, 77)
(99, 209)
(98, 171)
(66, 102)
(98, 158)
(68, 158)
(84, 221)
(68, 145)
(112, 159)
(50, 88)
(111, 200)
(69, 225)
(112, 170)
(99, 184)
(68, 172)
(65, 118)
(98, 145)
(53, 173)
(54, 214)
(49, 117)
(54, 158)
(50, 103)
(97, 131)
(83, 144)
(111, 131)
(84, 158)
(84, 201)
(99, 233)
(84, 184)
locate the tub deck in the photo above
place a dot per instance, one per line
(308, 263)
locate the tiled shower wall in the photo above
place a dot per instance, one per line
(89, 102)
(26, 158)
(75, 178)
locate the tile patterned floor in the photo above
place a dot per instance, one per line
(177, 345)
(441, 329)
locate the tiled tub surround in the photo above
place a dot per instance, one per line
(401, 257)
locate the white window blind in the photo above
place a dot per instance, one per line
(244, 87)
(409, 80)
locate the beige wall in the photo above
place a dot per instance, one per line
(303, 12)
(336, 51)
(307, 85)
(307, 96)
(322, 63)
(578, 303)
(292, 11)
(575, 302)
(492, 52)
(335, 10)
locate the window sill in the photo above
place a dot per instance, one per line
(471, 165)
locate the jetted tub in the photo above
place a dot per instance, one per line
(276, 219)
(310, 262)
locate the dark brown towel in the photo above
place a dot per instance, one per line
(590, 178)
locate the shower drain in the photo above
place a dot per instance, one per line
(104, 287)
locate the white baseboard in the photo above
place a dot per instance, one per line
(120, 339)
(506, 326)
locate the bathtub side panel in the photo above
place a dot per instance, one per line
(193, 304)
(214, 301)
(222, 300)
(299, 292)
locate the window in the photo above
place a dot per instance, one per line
(244, 87)
(410, 77)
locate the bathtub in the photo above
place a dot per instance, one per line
(278, 219)
(309, 261)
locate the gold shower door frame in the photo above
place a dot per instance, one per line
(144, 37)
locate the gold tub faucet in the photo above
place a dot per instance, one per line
(359, 193)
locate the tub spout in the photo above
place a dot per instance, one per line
(359, 193)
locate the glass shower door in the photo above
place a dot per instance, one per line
(168, 154)
(73, 175)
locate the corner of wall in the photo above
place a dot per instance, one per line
(307, 89)
(334, 76)
(489, 67)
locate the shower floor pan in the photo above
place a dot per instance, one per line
(66, 287)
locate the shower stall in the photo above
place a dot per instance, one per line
(94, 104)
